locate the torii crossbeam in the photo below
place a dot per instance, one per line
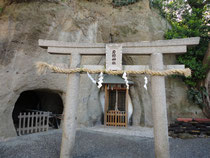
(155, 49)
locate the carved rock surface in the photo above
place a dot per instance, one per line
(22, 24)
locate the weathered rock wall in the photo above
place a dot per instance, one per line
(22, 24)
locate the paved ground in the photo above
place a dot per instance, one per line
(95, 144)
(129, 131)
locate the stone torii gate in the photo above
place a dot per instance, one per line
(114, 53)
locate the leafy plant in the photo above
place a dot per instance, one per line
(118, 3)
(197, 96)
(188, 18)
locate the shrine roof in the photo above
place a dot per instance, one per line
(114, 79)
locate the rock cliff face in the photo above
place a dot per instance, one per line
(22, 24)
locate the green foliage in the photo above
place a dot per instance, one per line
(197, 96)
(118, 3)
(188, 18)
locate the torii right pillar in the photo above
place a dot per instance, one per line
(159, 108)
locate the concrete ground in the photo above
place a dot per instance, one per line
(129, 131)
(101, 143)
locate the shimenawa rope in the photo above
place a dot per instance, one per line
(42, 67)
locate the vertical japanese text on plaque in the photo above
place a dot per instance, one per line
(114, 57)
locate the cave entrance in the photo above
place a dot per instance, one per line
(39, 102)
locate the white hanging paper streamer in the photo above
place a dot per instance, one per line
(91, 78)
(100, 80)
(145, 82)
(126, 80)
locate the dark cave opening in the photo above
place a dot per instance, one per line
(39, 100)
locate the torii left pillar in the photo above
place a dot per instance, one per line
(70, 109)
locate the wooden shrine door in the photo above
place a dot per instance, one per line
(116, 105)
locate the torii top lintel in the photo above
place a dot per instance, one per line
(173, 46)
